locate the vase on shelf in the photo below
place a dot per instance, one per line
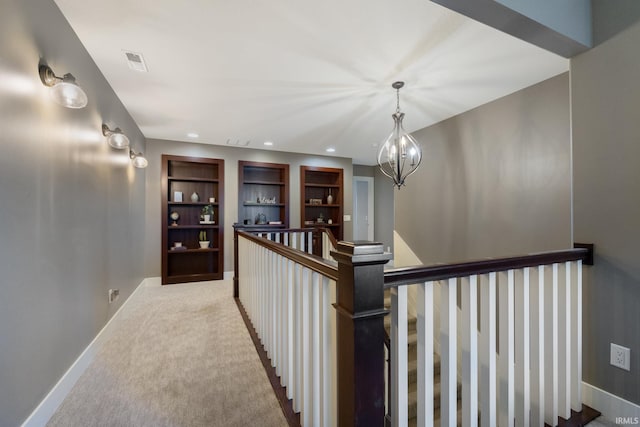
(194, 197)
(329, 198)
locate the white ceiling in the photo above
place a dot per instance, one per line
(304, 75)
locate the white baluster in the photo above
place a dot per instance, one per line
(537, 347)
(522, 351)
(307, 378)
(290, 330)
(326, 348)
(469, 320)
(576, 351)
(448, 353)
(399, 346)
(551, 349)
(506, 348)
(488, 373)
(315, 348)
(425, 328)
(564, 341)
(299, 349)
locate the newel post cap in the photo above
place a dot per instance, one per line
(361, 252)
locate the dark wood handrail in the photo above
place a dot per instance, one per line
(313, 262)
(329, 234)
(409, 275)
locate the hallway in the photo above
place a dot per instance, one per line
(179, 356)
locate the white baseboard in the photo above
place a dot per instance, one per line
(611, 406)
(228, 275)
(45, 410)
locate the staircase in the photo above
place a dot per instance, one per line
(412, 340)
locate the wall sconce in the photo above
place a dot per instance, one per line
(64, 90)
(138, 159)
(115, 137)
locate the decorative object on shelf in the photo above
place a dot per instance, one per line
(261, 219)
(329, 198)
(116, 138)
(177, 246)
(315, 201)
(195, 198)
(177, 196)
(64, 90)
(138, 159)
(400, 155)
(204, 243)
(207, 213)
(174, 216)
(320, 219)
(212, 199)
(264, 201)
(329, 221)
(247, 222)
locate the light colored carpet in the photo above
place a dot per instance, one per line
(181, 357)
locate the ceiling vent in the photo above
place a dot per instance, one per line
(136, 61)
(239, 143)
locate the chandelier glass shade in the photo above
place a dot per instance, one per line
(400, 155)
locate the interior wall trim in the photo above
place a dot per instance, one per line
(45, 410)
(610, 405)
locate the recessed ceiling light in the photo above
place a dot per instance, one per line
(268, 143)
(331, 150)
(192, 135)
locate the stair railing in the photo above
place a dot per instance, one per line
(288, 295)
(518, 353)
(513, 340)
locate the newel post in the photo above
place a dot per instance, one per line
(360, 333)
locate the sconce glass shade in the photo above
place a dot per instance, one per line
(115, 137)
(400, 154)
(139, 161)
(64, 90)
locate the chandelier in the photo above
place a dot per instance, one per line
(400, 154)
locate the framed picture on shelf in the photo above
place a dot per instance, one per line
(177, 196)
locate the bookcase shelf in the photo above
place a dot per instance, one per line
(317, 184)
(182, 177)
(257, 180)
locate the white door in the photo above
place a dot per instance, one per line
(362, 208)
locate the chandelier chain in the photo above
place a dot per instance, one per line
(398, 100)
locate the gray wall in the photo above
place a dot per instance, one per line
(71, 209)
(494, 181)
(231, 155)
(612, 16)
(606, 135)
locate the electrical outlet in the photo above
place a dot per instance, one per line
(113, 295)
(620, 357)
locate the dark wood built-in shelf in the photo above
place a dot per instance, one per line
(206, 178)
(187, 251)
(260, 179)
(318, 183)
(191, 178)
